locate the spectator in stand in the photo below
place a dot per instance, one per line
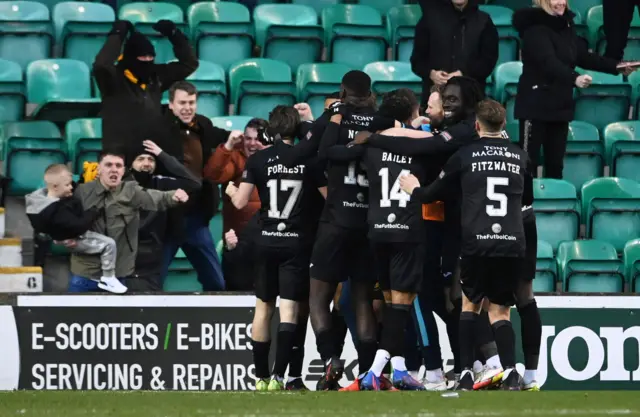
(453, 38)
(227, 164)
(617, 15)
(120, 204)
(196, 138)
(544, 103)
(153, 224)
(132, 88)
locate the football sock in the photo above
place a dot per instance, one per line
(284, 344)
(468, 323)
(340, 329)
(393, 325)
(325, 343)
(435, 376)
(531, 333)
(494, 362)
(453, 324)
(506, 341)
(379, 362)
(297, 351)
(484, 338)
(366, 353)
(477, 367)
(261, 358)
(529, 376)
(398, 364)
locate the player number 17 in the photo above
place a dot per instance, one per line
(499, 210)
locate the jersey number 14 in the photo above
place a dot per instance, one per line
(285, 185)
(396, 193)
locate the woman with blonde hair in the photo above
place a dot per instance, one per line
(551, 51)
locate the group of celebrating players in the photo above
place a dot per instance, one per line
(346, 203)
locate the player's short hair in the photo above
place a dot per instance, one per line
(257, 124)
(471, 91)
(54, 170)
(436, 89)
(356, 90)
(491, 115)
(283, 121)
(185, 86)
(397, 106)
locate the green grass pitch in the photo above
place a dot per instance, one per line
(312, 404)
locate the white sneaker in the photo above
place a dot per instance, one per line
(531, 386)
(436, 386)
(112, 284)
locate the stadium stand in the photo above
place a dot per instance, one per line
(286, 53)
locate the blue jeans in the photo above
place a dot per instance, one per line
(82, 284)
(200, 250)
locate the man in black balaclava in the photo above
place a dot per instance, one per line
(153, 223)
(131, 86)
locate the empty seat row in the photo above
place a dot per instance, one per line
(609, 208)
(588, 266)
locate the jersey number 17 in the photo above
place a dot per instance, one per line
(275, 192)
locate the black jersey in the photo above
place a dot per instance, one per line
(393, 216)
(287, 196)
(347, 182)
(491, 175)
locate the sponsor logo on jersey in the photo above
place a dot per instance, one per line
(446, 136)
(279, 234)
(391, 226)
(495, 237)
(350, 204)
(496, 151)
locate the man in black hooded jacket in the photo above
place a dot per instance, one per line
(151, 235)
(131, 85)
(453, 38)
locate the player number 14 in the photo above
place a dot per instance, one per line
(499, 210)
(396, 193)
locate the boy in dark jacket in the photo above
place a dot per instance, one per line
(56, 212)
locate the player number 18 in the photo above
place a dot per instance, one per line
(499, 210)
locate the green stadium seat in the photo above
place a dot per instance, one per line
(607, 100)
(185, 280)
(511, 4)
(595, 25)
(12, 94)
(354, 35)
(507, 76)
(180, 261)
(583, 6)
(513, 131)
(509, 41)
(28, 149)
(318, 5)
(258, 85)
(546, 269)
(26, 34)
(632, 263)
(84, 139)
(222, 32)
(316, 81)
(231, 122)
(382, 6)
(590, 266)
(557, 211)
(62, 90)
(210, 81)
(611, 210)
(215, 227)
(289, 33)
(401, 27)
(622, 144)
(389, 75)
(144, 14)
(82, 28)
(584, 158)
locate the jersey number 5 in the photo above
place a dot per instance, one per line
(499, 210)
(285, 185)
(396, 193)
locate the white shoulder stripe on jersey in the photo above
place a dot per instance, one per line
(525, 208)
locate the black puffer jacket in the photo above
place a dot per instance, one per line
(448, 39)
(551, 50)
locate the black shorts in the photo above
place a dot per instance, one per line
(340, 254)
(400, 266)
(531, 251)
(494, 278)
(282, 272)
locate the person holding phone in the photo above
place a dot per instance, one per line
(551, 51)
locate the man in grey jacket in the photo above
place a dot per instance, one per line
(120, 204)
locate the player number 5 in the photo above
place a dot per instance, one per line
(499, 210)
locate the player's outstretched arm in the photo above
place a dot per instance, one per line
(406, 133)
(440, 189)
(330, 136)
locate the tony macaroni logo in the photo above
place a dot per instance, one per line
(579, 354)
